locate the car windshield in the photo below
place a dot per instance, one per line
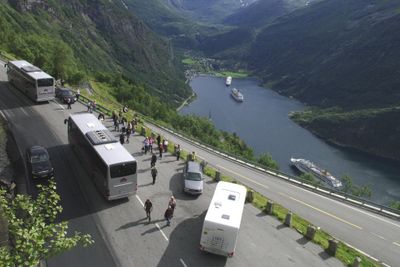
(67, 93)
(193, 176)
(39, 156)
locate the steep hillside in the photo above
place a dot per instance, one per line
(264, 12)
(171, 22)
(99, 35)
(334, 53)
(208, 10)
(374, 131)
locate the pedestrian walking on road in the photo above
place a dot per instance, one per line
(168, 215)
(148, 207)
(154, 173)
(160, 149)
(153, 160)
(122, 138)
(172, 204)
(78, 94)
(165, 145)
(158, 140)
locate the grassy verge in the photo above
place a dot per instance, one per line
(238, 74)
(344, 253)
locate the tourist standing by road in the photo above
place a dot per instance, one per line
(165, 145)
(160, 149)
(178, 152)
(69, 103)
(122, 138)
(158, 140)
(168, 215)
(78, 94)
(154, 173)
(148, 207)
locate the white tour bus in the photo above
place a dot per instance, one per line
(222, 222)
(109, 164)
(32, 81)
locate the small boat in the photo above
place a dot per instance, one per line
(306, 166)
(237, 95)
(228, 80)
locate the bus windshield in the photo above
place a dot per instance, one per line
(45, 82)
(123, 169)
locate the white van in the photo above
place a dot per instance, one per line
(222, 222)
(193, 178)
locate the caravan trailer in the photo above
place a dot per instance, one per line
(222, 222)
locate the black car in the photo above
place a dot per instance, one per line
(38, 161)
(64, 94)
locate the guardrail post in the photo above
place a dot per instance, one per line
(332, 248)
(311, 230)
(357, 262)
(217, 176)
(288, 219)
(250, 196)
(269, 208)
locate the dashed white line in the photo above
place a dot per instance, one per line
(397, 244)
(381, 237)
(183, 263)
(158, 226)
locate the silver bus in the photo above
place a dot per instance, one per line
(32, 81)
(108, 163)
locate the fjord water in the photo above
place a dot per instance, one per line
(262, 122)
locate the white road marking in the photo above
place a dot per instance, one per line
(3, 115)
(244, 177)
(158, 226)
(397, 244)
(386, 265)
(23, 111)
(183, 263)
(381, 237)
(320, 210)
(349, 206)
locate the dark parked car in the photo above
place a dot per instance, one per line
(64, 94)
(38, 161)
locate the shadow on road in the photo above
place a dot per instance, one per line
(184, 243)
(176, 187)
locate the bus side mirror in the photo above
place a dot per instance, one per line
(65, 121)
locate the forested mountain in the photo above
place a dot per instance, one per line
(334, 53)
(263, 12)
(92, 36)
(208, 10)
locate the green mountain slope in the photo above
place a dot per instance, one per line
(334, 53)
(264, 12)
(98, 35)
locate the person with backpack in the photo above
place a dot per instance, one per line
(172, 204)
(122, 138)
(154, 173)
(148, 207)
(168, 215)
(153, 160)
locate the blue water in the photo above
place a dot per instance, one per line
(262, 122)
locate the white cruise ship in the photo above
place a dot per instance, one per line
(237, 95)
(228, 80)
(307, 166)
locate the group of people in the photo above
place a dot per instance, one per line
(91, 105)
(127, 127)
(168, 214)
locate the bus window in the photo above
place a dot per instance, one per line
(124, 169)
(45, 82)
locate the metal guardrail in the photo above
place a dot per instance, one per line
(338, 195)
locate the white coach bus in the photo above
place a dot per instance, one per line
(30, 80)
(222, 222)
(109, 164)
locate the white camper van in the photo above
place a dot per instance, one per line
(222, 222)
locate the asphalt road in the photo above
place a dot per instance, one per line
(122, 237)
(373, 234)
